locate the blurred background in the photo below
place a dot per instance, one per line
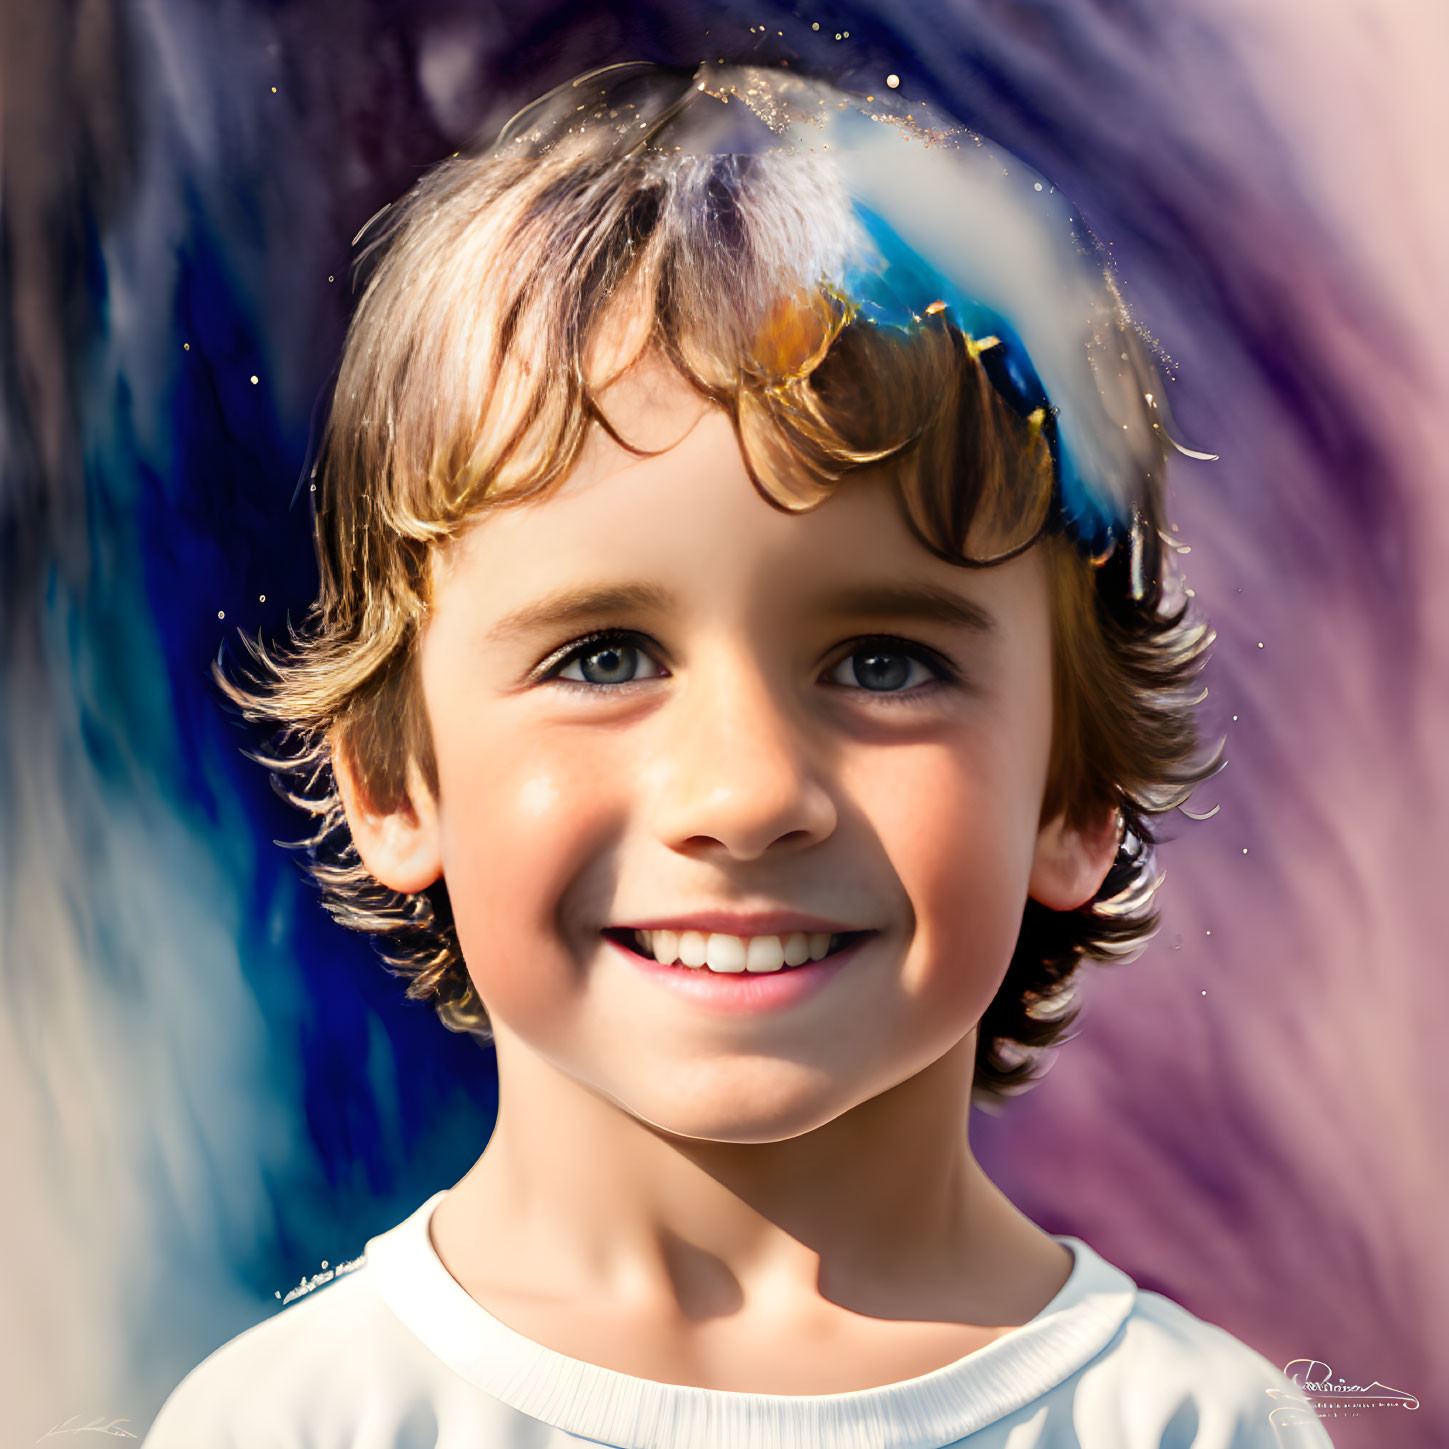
(207, 1090)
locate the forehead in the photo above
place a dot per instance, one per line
(685, 532)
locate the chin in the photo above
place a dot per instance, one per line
(743, 1112)
(737, 1131)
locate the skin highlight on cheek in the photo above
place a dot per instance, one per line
(537, 796)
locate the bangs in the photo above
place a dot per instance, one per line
(508, 295)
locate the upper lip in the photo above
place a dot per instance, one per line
(737, 923)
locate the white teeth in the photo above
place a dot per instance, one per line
(732, 954)
(764, 953)
(725, 953)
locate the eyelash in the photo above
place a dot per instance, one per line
(945, 672)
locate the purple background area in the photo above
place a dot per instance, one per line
(208, 1089)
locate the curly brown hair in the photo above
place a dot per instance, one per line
(502, 293)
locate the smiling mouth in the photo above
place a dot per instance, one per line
(733, 955)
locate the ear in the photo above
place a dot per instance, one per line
(400, 847)
(1072, 861)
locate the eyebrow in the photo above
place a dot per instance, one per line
(926, 602)
(572, 606)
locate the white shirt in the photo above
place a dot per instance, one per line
(394, 1354)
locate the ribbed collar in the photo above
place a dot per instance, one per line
(933, 1410)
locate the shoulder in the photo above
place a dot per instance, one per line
(1172, 1379)
(300, 1379)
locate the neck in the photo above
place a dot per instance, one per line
(883, 1209)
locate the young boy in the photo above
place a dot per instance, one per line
(743, 677)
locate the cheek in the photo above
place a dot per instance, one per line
(520, 826)
(960, 832)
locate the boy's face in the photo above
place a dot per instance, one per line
(776, 729)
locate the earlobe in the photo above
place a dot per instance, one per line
(400, 847)
(1072, 861)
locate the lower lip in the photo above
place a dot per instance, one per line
(744, 991)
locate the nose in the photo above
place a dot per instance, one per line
(736, 767)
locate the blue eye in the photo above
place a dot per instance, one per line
(886, 666)
(602, 659)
